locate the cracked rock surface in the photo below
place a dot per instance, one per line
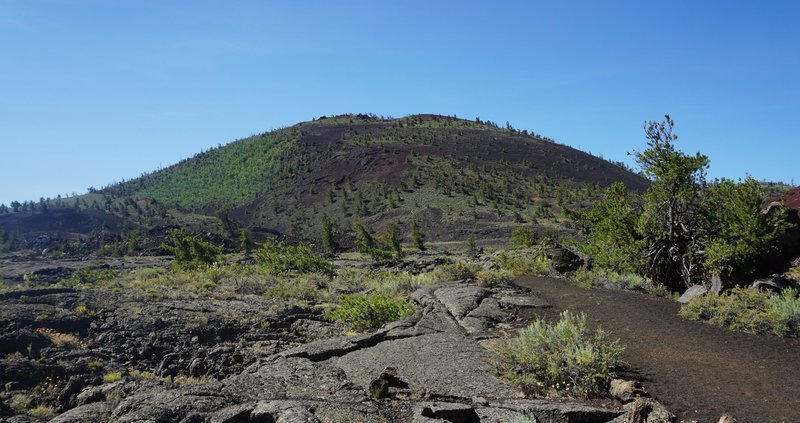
(443, 372)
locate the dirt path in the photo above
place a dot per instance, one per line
(699, 371)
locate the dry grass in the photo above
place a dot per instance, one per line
(62, 340)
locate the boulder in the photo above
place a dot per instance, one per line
(282, 411)
(771, 284)
(645, 410)
(717, 284)
(441, 412)
(626, 391)
(693, 292)
(563, 260)
(461, 299)
(235, 414)
(94, 412)
(545, 411)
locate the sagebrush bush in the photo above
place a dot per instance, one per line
(533, 264)
(603, 277)
(749, 310)
(201, 279)
(371, 310)
(280, 258)
(309, 287)
(562, 357)
(354, 280)
(458, 271)
(490, 278)
(350, 280)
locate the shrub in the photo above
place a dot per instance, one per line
(417, 237)
(112, 377)
(113, 249)
(146, 273)
(492, 278)
(458, 271)
(354, 280)
(280, 258)
(402, 283)
(604, 277)
(89, 278)
(562, 357)
(523, 237)
(83, 310)
(191, 252)
(743, 233)
(60, 339)
(306, 287)
(371, 310)
(534, 264)
(612, 240)
(350, 280)
(749, 310)
(365, 243)
(94, 365)
(19, 402)
(42, 412)
(204, 279)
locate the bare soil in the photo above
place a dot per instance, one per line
(697, 370)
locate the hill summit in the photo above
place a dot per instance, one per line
(451, 176)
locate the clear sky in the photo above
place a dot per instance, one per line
(96, 91)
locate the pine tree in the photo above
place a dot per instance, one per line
(244, 241)
(361, 206)
(327, 234)
(391, 240)
(365, 243)
(417, 238)
(471, 248)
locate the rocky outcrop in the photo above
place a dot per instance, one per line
(429, 367)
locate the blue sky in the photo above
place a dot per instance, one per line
(96, 91)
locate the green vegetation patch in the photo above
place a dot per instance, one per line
(112, 377)
(682, 229)
(749, 310)
(459, 271)
(308, 287)
(532, 263)
(191, 252)
(351, 280)
(523, 237)
(491, 278)
(280, 259)
(605, 278)
(226, 176)
(562, 358)
(371, 310)
(89, 278)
